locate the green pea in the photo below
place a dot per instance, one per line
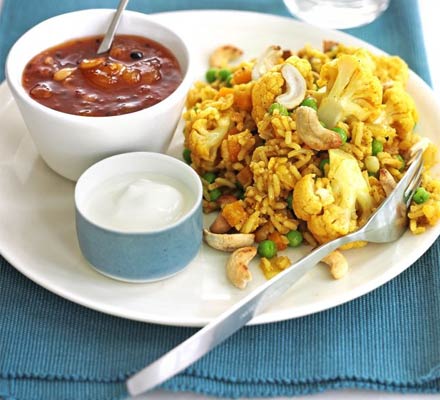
(209, 177)
(376, 147)
(421, 195)
(295, 238)
(212, 75)
(323, 164)
(402, 160)
(214, 194)
(341, 132)
(186, 154)
(224, 74)
(310, 102)
(267, 248)
(289, 200)
(281, 109)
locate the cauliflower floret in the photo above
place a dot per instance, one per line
(264, 92)
(331, 224)
(391, 69)
(351, 91)
(386, 68)
(400, 110)
(306, 200)
(349, 186)
(363, 55)
(304, 68)
(207, 133)
(335, 206)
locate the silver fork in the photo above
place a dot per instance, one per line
(387, 224)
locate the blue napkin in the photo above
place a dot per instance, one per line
(387, 340)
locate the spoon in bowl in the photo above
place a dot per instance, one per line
(106, 43)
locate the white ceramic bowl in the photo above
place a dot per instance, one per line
(69, 143)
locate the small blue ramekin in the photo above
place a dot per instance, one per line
(139, 256)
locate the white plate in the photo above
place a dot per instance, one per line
(37, 230)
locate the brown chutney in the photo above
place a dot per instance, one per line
(135, 74)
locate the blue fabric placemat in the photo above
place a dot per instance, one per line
(388, 340)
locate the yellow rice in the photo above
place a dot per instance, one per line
(266, 146)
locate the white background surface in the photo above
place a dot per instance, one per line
(430, 14)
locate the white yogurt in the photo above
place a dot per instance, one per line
(138, 201)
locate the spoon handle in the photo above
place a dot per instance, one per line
(108, 38)
(228, 322)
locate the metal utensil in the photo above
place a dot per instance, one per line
(106, 43)
(387, 224)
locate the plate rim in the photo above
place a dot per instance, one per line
(274, 315)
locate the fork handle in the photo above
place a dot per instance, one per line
(228, 322)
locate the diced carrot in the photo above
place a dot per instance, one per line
(245, 176)
(224, 91)
(235, 214)
(233, 148)
(243, 100)
(242, 75)
(277, 238)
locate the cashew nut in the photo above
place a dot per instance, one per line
(220, 225)
(312, 133)
(267, 61)
(387, 181)
(296, 87)
(223, 55)
(337, 263)
(237, 269)
(228, 242)
(328, 45)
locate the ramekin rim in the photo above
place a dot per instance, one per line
(187, 215)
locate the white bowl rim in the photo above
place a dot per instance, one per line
(24, 96)
(145, 154)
